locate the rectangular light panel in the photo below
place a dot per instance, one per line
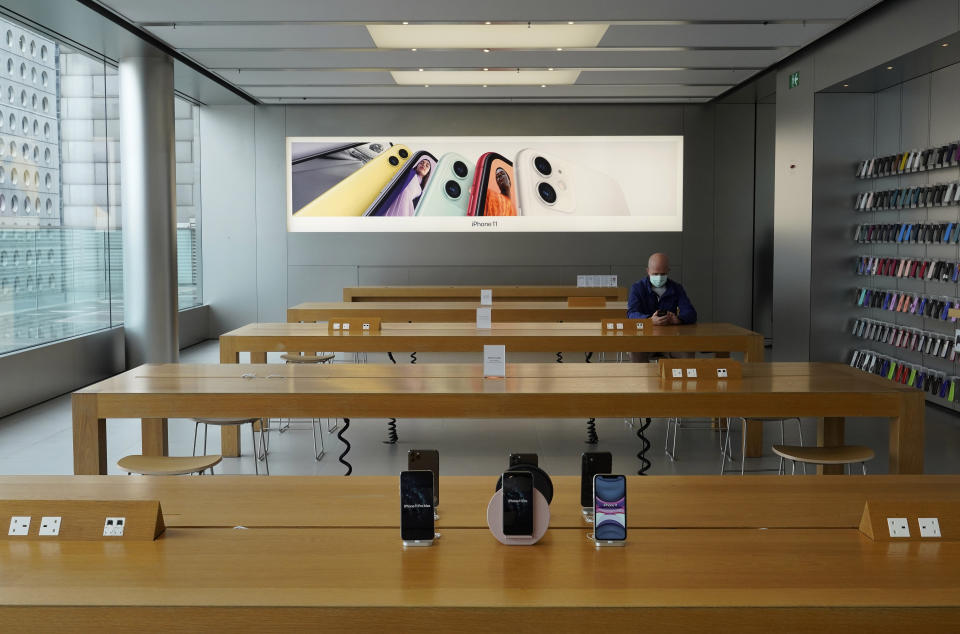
(492, 36)
(481, 77)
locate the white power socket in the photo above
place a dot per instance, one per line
(610, 325)
(691, 373)
(929, 526)
(345, 326)
(365, 326)
(336, 325)
(677, 373)
(721, 373)
(898, 527)
(19, 525)
(49, 526)
(113, 526)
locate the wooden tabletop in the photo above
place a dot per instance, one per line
(695, 559)
(655, 501)
(460, 312)
(519, 337)
(452, 293)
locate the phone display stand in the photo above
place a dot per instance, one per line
(541, 520)
(606, 543)
(587, 513)
(411, 543)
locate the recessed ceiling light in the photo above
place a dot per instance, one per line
(414, 50)
(426, 85)
(486, 69)
(945, 44)
(846, 85)
(889, 67)
(487, 22)
(406, 23)
(486, 50)
(543, 85)
(559, 48)
(420, 69)
(485, 78)
(493, 36)
(484, 85)
(569, 22)
(549, 69)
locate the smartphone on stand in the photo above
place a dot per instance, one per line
(609, 510)
(494, 187)
(426, 460)
(518, 504)
(592, 463)
(416, 508)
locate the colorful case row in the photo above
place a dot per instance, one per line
(908, 303)
(912, 161)
(909, 197)
(930, 270)
(922, 341)
(933, 382)
(917, 233)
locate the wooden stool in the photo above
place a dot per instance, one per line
(324, 357)
(168, 465)
(844, 454)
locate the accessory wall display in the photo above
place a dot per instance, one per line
(933, 382)
(947, 155)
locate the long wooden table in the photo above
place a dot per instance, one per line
(455, 312)
(154, 393)
(469, 293)
(712, 575)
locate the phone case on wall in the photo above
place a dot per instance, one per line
(355, 193)
(569, 189)
(438, 199)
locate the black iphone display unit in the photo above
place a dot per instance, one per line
(518, 504)
(416, 507)
(426, 460)
(524, 458)
(592, 463)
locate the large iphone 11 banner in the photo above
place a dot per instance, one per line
(574, 183)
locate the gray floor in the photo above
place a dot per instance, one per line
(38, 440)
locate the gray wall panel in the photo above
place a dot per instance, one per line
(945, 99)
(914, 125)
(766, 132)
(319, 283)
(887, 124)
(194, 325)
(698, 209)
(228, 174)
(271, 196)
(733, 255)
(383, 276)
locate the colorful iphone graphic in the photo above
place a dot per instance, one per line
(400, 197)
(448, 192)
(354, 194)
(549, 185)
(494, 190)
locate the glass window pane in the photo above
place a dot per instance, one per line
(188, 203)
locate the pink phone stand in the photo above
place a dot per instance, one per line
(541, 520)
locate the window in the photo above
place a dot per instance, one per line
(61, 262)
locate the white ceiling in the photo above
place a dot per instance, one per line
(321, 51)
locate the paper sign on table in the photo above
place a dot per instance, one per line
(483, 318)
(494, 361)
(486, 296)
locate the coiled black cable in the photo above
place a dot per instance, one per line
(559, 357)
(346, 425)
(645, 445)
(413, 358)
(390, 356)
(592, 437)
(392, 437)
(589, 356)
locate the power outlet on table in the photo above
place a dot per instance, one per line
(929, 527)
(113, 526)
(19, 525)
(677, 373)
(721, 373)
(691, 373)
(898, 527)
(49, 526)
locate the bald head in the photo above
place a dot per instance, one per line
(658, 264)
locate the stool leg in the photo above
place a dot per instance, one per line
(206, 428)
(196, 426)
(863, 467)
(266, 457)
(743, 443)
(253, 439)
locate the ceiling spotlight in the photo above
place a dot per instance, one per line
(570, 22)
(486, 50)
(846, 85)
(420, 69)
(484, 85)
(559, 49)
(945, 44)
(405, 22)
(414, 50)
(426, 85)
(487, 22)
(543, 85)
(486, 69)
(549, 69)
(889, 67)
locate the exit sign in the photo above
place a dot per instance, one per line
(794, 80)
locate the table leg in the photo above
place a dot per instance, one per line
(153, 437)
(906, 435)
(229, 434)
(89, 437)
(830, 434)
(754, 351)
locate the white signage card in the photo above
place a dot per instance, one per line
(581, 281)
(486, 296)
(494, 361)
(483, 318)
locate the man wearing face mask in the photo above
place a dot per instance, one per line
(662, 300)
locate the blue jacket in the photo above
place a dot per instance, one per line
(644, 302)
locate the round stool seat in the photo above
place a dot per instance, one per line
(167, 465)
(844, 454)
(308, 358)
(225, 421)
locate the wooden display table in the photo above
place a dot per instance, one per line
(157, 392)
(456, 312)
(471, 293)
(706, 576)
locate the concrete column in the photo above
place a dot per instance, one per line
(148, 194)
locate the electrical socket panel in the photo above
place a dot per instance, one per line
(336, 325)
(677, 373)
(929, 526)
(49, 526)
(691, 373)
(345, 326)
(113, 526)
(19, 525)
(365, 326)
(721, 373)
(898, 527)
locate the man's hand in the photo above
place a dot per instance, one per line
(674, 319)
(661, 320)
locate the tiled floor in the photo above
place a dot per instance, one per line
(38, 440)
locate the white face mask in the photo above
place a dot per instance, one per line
(658, 280)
